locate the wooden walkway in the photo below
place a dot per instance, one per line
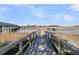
(41, 46)
(39, 43)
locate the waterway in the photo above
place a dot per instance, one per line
(65, 31)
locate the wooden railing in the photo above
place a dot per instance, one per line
(18, 46)
(61, 45)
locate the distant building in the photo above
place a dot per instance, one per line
(6, 27)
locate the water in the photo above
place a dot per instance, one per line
(26, 30)
(66, 31)
(69, 31)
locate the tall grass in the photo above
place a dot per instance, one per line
(10, 37)
(71, 38)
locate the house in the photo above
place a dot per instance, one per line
(7, 27)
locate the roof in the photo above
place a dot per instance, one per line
(7, 24)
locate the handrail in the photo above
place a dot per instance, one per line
(73, 49)
(9, 46)
(63, 45)
(55, 41)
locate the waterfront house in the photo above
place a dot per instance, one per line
(7, 27)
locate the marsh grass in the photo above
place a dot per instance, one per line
(71, 38)
(8, 37)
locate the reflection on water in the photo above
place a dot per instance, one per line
(66, 31)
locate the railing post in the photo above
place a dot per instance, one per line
(30, 39)
(51, 36)
(64, 48)
(47, 35)
(33, 35)
(59, 45)
(20, 47)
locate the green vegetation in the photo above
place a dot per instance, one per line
(35, 27)
(32, 27)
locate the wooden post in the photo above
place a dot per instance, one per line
(13, 29)
(30, 37)
(48, 35)
(2, 29)
(7, 29)
(64, 47)
(59, 45)
(20, 47)
(33, 36)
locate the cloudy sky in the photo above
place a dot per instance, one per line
(40, 14)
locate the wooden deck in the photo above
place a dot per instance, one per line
(41, 46)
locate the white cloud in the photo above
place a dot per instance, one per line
(57, 16)
(65, 17)
(36, 11)
(34, 8)
(68, 18)
(39, 14)
(75, 7)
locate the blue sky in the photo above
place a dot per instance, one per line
(40, 14)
